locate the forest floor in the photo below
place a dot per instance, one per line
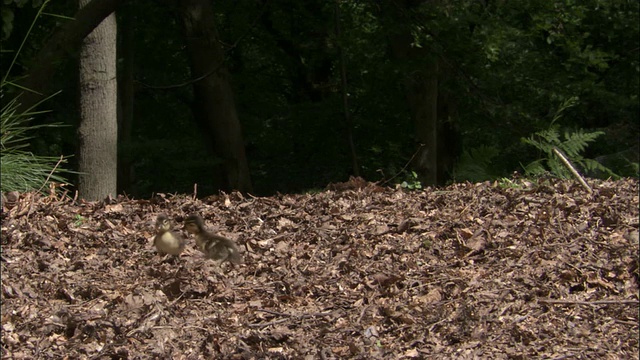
(515, 270)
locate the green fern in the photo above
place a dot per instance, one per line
(475, 164)
(573, 144)
(578, 141)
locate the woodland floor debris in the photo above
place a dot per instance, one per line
(468, 271)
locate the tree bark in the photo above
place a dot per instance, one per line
(422, 94)
(423, 99)
(449, 144)
(98, 130)
(214, 107)
(345, 97)
(433, 111)
(64, 41)
(126, 98)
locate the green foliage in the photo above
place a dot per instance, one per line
(624, 162)
(506, 183)
(535, 53)
(572, 145)
(21, 170)
(475, 164)
(78, 220)
(7, 13)
(412, 182)
(502, 63)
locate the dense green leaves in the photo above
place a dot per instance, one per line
(505, 67)
(21, 170)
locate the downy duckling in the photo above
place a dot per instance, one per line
(214, 247)
(167, 241)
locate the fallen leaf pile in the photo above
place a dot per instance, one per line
(514, 270)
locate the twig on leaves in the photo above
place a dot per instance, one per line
(288, 317)
(51, 173)
(596, 302)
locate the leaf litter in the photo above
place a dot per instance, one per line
(356, 271)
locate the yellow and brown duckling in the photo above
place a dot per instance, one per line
(167, 241)
(215, 247)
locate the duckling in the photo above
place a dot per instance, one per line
(214, 247)
(167, 241)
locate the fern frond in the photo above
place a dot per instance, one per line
(573, 144)
(474, 164)
(578, 141)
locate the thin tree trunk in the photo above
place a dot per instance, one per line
(126, 96)
(449, 145)
(423, 99)
(422, 94)
(422, 90)
(98, 130)
(214, 106)
(345, 97)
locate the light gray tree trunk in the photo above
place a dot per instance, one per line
(64, 41)
(98, 130)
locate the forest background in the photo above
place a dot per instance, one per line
(458, 90)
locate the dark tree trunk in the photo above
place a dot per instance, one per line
(309, 83)
(345, 98)
(449, 144)
(433, 112)
(421, 86)
(422, 92)
(214, 103)
(126, 97)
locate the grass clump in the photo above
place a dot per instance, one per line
(20, 169)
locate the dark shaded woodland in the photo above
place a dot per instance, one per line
(285, 96)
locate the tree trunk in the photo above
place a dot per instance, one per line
(126, 95)
(65, 41)
(449, 144)
(214, 107)
(433, 112)
(345, 97)
(422, 92)
(98, 130)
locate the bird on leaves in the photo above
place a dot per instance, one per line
(167, 241)
(214, 247)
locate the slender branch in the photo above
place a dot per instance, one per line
(597, 302)
(51, 173)
(288, 317)
(406, 165)
(261, 325)
(573, 170)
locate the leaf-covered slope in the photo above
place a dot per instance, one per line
(471, 270)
